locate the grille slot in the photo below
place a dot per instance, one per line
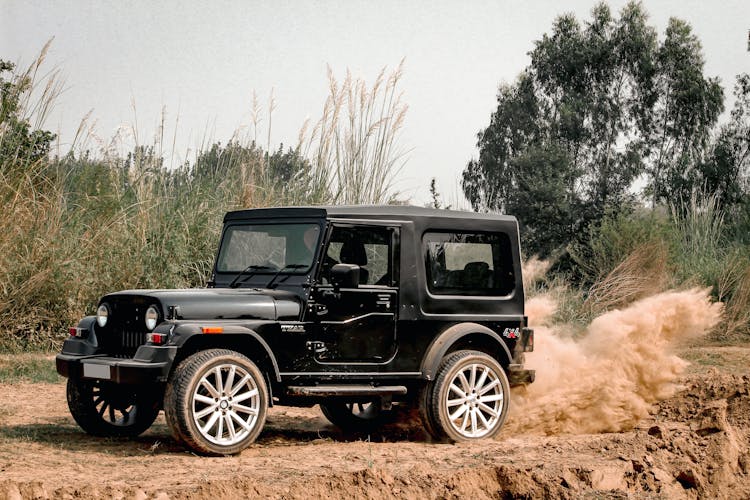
(133, 340)
(121, 343)
(126, 331)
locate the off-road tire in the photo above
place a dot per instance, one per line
(425, 414)
(187, 401)
(106, 409)
(459, 406)
(344, 415)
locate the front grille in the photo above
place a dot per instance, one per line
(125, 331)
(120, 343)
(133, 340)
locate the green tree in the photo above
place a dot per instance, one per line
(20, 145)
(600, 101)
(224, 163)
(544, 175)
(490, 182)
(286, 166)
(727, 172)
(686, 110)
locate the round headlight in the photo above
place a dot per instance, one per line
(102, 315)
(152, 316)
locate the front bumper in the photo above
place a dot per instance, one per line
(150, 365)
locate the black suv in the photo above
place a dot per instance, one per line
(352, 308)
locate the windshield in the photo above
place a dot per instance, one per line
(268, 247)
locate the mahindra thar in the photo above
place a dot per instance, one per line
(354, 308)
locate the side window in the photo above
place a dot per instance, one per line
(368, 247)
(469, 263)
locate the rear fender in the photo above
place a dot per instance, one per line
(458, 333)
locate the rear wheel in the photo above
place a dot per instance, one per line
(356, 417)
(469, 398)
(216, 402)
(103, 408)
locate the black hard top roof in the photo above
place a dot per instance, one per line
(393, 212)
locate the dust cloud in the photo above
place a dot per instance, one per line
(607, 379)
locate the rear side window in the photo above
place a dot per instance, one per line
(469, 264)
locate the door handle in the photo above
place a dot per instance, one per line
(384, 301)
(316, 346)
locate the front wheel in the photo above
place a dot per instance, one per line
(216, 402)
(106, 409)
(469, 398)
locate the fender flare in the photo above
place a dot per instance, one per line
(87, 322)
(437, 349)
(231, 332)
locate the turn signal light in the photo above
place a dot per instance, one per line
(527, 339)
(156, 338)
(77, 332)
(212, 329)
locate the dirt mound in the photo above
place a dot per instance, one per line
(480, 483)
(706, 440)
(692, 445)
(710, 388)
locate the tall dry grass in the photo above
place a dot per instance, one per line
(31, 235)
(646, 252)
(642, 273)
(353, 148)
(110, 215)
(734, 291)
(707, 256)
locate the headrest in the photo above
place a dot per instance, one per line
(476, 267)
(353, 252)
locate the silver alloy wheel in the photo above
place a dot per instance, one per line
(356, 416)
(226, 404)
(363, 410)
(103, 408)
(114, 409)
(475, 400)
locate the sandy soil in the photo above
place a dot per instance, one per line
(692, 445)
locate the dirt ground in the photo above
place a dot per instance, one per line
(693, 445)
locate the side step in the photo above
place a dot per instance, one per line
(345, 390)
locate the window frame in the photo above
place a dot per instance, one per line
(505, 261)
(230, 227)
(393, 254)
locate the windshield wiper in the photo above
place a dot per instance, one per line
(288, 266)
(249, 270)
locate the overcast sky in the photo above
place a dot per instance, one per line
(202, 60)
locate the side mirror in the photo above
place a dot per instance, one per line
(345, 276)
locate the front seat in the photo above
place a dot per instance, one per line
(353, 252)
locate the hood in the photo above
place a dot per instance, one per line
(213, 303)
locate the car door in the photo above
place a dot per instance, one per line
(357, 325)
